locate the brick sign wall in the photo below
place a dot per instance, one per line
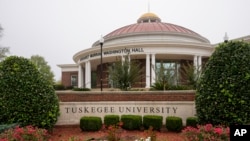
(74, 105)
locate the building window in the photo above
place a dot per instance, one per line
(73, 80)
(168, 71)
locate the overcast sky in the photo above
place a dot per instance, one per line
(57, 29)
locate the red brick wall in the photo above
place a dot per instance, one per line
(73, 96)
(66, 78)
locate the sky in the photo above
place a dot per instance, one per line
(58, 29)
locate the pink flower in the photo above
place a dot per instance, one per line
(208, 127)
(218, 130)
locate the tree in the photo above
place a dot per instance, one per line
(43, 67)
(125, 73)
(26, 97)
(223, 92)
(3, 50)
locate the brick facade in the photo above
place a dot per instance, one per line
(66, 78)
(73, 96)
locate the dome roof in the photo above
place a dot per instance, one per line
(150, 27)
(150, 23)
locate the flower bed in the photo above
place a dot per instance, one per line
(67, 133)
(116, 133)
(207, 132)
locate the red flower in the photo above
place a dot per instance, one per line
(218, 130)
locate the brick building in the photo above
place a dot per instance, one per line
(149, 41)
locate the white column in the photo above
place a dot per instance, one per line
(195, 64)
(199, 62)
(87, 75)
(147, 71)
(153, 69)
(89, 86)
(80, 76)
(195, 61)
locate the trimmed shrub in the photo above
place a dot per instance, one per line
(111, 120)
(152, 120)
(223, 92)
(69, 87)
(90, 123)
(81, 89)
(26, 97)
(59, 87)
(192, 121)
(174, 123)
(131, 122)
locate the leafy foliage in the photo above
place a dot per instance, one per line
(25, 96)
(81, 89)
(125, 73)
(223, 93)
(160, 86)
(206, 132)
(27, 133)
(191, 74)
(43, 67)
(164, 78)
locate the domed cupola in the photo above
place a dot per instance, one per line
(148, 17)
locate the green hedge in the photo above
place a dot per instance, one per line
(192, 121)
(131, 122)
(174, 123)
(111, 120)
(90, 123)
(81, 89)
(152, 120)
(59, 87)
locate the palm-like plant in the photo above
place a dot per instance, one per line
(191, 74)
(125, 73)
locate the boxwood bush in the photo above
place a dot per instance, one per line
(223, 92)
(111, 120)
(174, 123)
(81, 89)
(131, 122)
(152, 120)
(192, 121)
(90, 123)
(26, 97)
